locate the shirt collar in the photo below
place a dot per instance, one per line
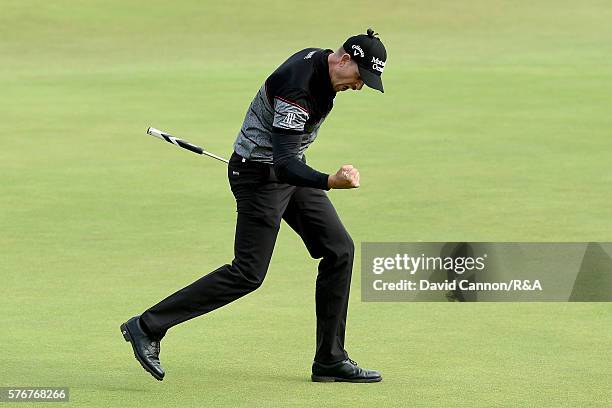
(323, 81)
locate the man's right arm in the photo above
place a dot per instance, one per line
(291, 170)
(290, 117)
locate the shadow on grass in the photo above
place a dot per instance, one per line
(117, 388)
(235, 375)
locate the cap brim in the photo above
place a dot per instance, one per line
(370, 79)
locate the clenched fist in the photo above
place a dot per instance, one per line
(346, 177)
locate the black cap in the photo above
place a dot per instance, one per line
(370, 55)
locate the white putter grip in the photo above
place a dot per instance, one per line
(181, 143)
(175, 141)
(155, 132)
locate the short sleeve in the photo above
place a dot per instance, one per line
(290, 111)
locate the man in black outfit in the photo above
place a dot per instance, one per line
(271, 181)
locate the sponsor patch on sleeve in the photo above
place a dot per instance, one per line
(289, 115)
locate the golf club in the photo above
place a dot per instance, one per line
(181, 143)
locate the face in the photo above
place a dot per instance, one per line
(346, 75)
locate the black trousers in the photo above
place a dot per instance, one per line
(261, 204)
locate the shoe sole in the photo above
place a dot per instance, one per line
(128, 337)
(322, 378)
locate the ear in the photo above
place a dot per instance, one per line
(345, 59)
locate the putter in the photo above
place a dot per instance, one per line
(181, 143)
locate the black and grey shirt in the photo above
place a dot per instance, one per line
(285, 116)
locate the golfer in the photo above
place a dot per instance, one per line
(271, 182)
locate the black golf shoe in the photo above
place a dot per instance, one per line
(343, 371)
(146, 349)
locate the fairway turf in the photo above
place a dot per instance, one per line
(495, 125)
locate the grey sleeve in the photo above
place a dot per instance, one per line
(289, 115)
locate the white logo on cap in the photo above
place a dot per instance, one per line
(358, 50)
(377, 64)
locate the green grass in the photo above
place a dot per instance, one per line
(495, 126)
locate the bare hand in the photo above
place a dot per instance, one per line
(346, 177)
